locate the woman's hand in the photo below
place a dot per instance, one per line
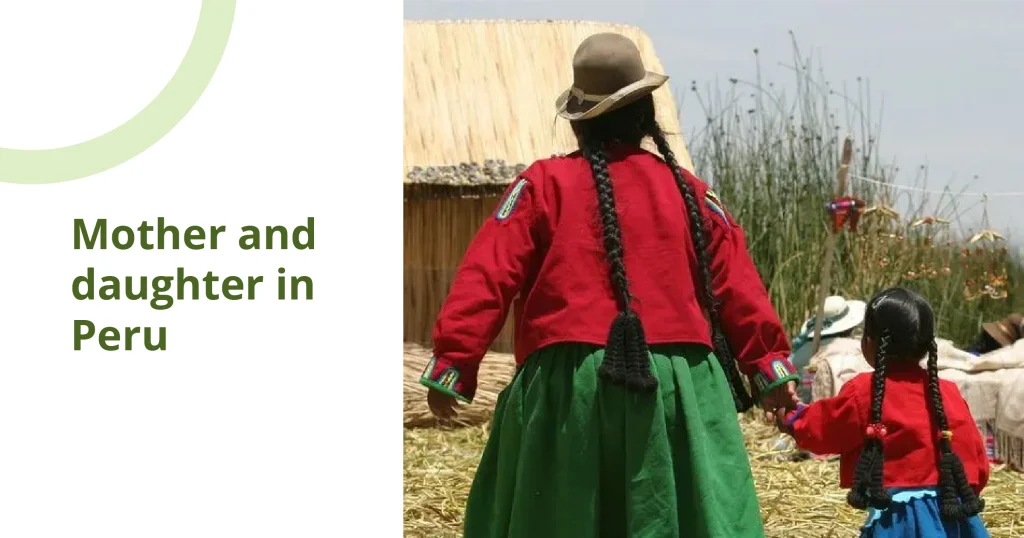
(442, 405)
(781, 397)
(780, 419)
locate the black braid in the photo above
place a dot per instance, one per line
(610, 223)
(868, 488)
(626, 360)
(625, 354)
(957, 500)
(723, 351)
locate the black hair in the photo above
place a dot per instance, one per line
(626, 359)
(984, 344)
(902, 324)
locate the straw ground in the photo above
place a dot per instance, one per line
(798, 499)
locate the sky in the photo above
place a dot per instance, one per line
(950, 72)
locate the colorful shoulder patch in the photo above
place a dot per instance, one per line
(508, 204)
(716, 206)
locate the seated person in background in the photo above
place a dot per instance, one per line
(841, 318)
(998, 334)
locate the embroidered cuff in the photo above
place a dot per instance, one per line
(444, 376)
(772, 374)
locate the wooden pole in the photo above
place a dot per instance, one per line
(830, 243)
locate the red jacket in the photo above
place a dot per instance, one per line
(543, 249)
(837, 426)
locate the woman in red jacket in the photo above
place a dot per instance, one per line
(910, 450)
(602, 253)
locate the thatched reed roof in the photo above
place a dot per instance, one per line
(479, 100)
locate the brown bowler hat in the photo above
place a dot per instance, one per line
(608, 73)
(1007, 331)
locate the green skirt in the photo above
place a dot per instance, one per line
(572, 456)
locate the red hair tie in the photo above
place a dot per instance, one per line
(876, 431)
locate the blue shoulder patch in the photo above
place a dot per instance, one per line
(508, 204)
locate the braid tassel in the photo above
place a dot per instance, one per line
(868, 484)
(858, 496)
(949, 500)
(957, 500)
(626, 357)
(639, 377)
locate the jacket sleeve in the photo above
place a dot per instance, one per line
(831, 425)
(493, 270)
(752, 328)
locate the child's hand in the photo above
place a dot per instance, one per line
(783, 416)
(442, 405)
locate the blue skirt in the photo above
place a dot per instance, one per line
(914, 513)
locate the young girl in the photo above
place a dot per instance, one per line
(604, 252)
(910, 451)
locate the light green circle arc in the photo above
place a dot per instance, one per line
(144, 129)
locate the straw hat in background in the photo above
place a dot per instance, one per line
(608, 73)
(1006, 331)
(840, 316)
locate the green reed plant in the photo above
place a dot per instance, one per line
(772, 154)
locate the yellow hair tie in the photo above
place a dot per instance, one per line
(947, 434)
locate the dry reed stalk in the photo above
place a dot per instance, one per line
(479, 90)
(496, 372)
(437, 233)
(830, 245)
(1011, 450)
